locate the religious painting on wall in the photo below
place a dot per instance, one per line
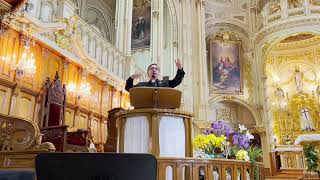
(141, 24)
(225, 63)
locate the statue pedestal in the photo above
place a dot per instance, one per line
(161, 132)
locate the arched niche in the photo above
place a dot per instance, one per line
(234, 111)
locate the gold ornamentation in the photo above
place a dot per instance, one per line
(315, 2)
(140, 50)
(155, 13)
(287, 123)
(225, 37)
(248, 77)
(141, 3)
(294, 3)
(223, 114)
(63, 36)
(275, 7)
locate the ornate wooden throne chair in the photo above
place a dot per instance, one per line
(52, 113)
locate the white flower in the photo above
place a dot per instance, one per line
(242, 128)
(249, 135)
(246, 158)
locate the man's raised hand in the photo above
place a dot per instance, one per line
(178, 64)
(136, 75)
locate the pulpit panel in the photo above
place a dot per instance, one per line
(161, 132)
(172, 137)
(136, 135)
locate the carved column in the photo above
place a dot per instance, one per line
(184, 52)
(157, 33)
(202, 67)
(268, 115)
(123, 24)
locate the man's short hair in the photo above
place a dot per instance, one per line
(152, 65)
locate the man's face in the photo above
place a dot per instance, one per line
(153, 72)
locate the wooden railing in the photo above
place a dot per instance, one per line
(206, 169)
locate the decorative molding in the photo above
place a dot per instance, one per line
(224, 37)
(228, 98)
(155, 13)
(141, 3)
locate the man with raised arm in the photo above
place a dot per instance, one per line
(153, 74)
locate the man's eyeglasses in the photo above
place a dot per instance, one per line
(153, 68)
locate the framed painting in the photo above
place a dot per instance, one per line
(141, 25)
(225, 66)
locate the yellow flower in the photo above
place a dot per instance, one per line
(205, 142)
(199, 142)
(242, 155)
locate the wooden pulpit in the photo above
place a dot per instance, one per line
(149, 97)
(155, 125)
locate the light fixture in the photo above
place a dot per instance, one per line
(275, 78)
(84, 89)
(25, 67)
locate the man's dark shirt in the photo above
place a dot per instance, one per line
(164, 83)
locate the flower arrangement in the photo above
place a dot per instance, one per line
(220, 141)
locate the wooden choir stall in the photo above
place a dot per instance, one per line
(155, 125)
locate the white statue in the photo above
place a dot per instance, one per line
(279, 95)
(298, 78)
(306, 120)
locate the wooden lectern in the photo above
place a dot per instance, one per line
(156, 125)
(150, 97)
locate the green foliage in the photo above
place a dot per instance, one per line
(311, 157)
(254, 153)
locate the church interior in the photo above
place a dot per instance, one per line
(252, 70)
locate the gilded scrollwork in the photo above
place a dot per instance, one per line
(20, 135)
(314, 2)
(141, 3)
(249, 82)
(274, 7)
(225, 37)
(223, 114)
(63, 37)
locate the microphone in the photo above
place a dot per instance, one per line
(153, 83)
(153, 76)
